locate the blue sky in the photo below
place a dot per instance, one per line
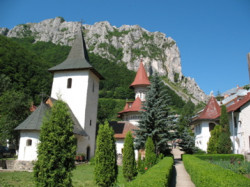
(213, 36)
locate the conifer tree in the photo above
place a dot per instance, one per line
(224, 142)
(156, 120)
(187, 143)
(106, 169)
(128, 160)
(150, 156)
(140, 164)
(57, 148)
(212, 145)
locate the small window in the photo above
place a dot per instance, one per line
(235, 123)
(69, 83)
(90, 123)
(29, 142)
(93, 87)
(211, 126)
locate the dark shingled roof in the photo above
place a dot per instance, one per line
(35, 119)
(78, 58)
(121, 128)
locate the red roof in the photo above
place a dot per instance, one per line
(141, 77)
(121, 128)
(211, 111)
(135, 106)
(239, 104)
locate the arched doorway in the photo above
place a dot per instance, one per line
(88, 153)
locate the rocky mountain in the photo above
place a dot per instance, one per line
(126, 44)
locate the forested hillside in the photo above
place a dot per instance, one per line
(24, 77)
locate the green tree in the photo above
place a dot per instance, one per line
(105, 157)
(14, 108)
(150, 156)
(187, 143)
(156, 121)
(128, 159)
(140, 164)
(212, 145)
(224, 141)
(57, 148)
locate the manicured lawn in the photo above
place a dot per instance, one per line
(83, 175)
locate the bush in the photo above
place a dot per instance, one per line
(106, 169)
(56, 152)
(128, 161)
(205, 174)
(150, 156)
(220, 157)
(159, 175)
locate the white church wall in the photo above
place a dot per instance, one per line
(91, 111)
(140, 92)
(75, 96)
(202, 135)
(119, 147)
(28, 145)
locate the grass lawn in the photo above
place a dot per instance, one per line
(83, 175)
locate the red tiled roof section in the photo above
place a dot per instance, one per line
(135, 107)
(121, 128)
(141, 77)
(239, 104)
(211, 111)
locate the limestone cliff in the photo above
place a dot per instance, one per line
(124, 44)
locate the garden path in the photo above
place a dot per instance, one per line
(180, 176)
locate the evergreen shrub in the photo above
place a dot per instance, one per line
(205, 174)
(220, 157)
(150, 156)
(159, 175)
(128, 160)
(106, 169)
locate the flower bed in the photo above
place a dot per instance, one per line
(206, 174)
(159, 175)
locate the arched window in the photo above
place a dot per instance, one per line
(69, 83)
(29, 142)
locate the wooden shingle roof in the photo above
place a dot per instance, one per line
(77, 59)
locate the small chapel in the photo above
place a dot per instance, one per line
(75, 82)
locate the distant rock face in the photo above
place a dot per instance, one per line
(126, 44)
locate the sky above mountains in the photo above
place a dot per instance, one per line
(213, 36)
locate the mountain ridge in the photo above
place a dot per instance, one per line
(126, 44)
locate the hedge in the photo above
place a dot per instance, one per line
(220, 157)
(206, 174)
(159, 175)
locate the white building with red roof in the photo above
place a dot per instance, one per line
(131, 115)
(239, 121)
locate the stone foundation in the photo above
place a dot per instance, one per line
(17, 165)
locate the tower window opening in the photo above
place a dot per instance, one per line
(69, 83)
(29, 142)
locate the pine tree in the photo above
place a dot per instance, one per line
(187, 143)
(57, 149)
(212, 145)
(150, 156)
(224, 141)
(106, 169)
(156, 120)
(128, 160)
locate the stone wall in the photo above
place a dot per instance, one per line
(16, 165)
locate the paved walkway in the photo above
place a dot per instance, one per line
(180, 176)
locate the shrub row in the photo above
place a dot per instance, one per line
(159, 175)
(206, 174)
(220, 157)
